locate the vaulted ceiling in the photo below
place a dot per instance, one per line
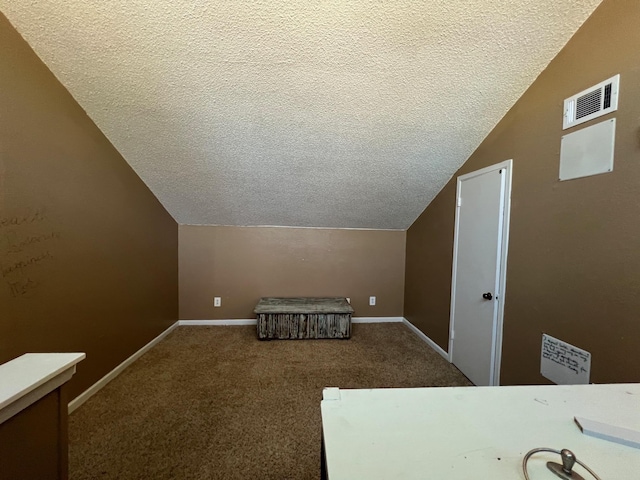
(273, 112)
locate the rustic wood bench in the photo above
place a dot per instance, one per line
(297, 318)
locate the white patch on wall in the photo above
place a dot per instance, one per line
(588, 151)
(564, 364)
(591, 103)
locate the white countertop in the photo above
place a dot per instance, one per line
(24, 375)
(474, 432)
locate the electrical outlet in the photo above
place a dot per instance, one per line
(372, 301)
(217, 301)
(348, 299)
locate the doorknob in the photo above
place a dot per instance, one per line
(487, 296)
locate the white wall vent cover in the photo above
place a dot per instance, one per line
(589, 151)
(591, 103)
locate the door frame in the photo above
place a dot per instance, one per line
(501, 273)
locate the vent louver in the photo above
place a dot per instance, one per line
(591, 103)
(588, 104)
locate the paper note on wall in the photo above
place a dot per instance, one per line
(563, 363)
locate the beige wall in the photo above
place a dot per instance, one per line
(242, 264)
(88, 255)
(574, 253)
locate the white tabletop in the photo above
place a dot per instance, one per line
(23, 375)
(474, 432)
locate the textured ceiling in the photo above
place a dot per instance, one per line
(273, 112)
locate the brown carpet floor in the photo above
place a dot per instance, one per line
(216, 403)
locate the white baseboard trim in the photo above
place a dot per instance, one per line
(184, 323)
(426, 339)
(376, 319)
(93, 389)
(202, 323)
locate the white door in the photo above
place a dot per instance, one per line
(479, 267)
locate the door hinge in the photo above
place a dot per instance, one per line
(459, 201)
(453, 334)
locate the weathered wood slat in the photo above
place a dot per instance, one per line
(301, 318)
